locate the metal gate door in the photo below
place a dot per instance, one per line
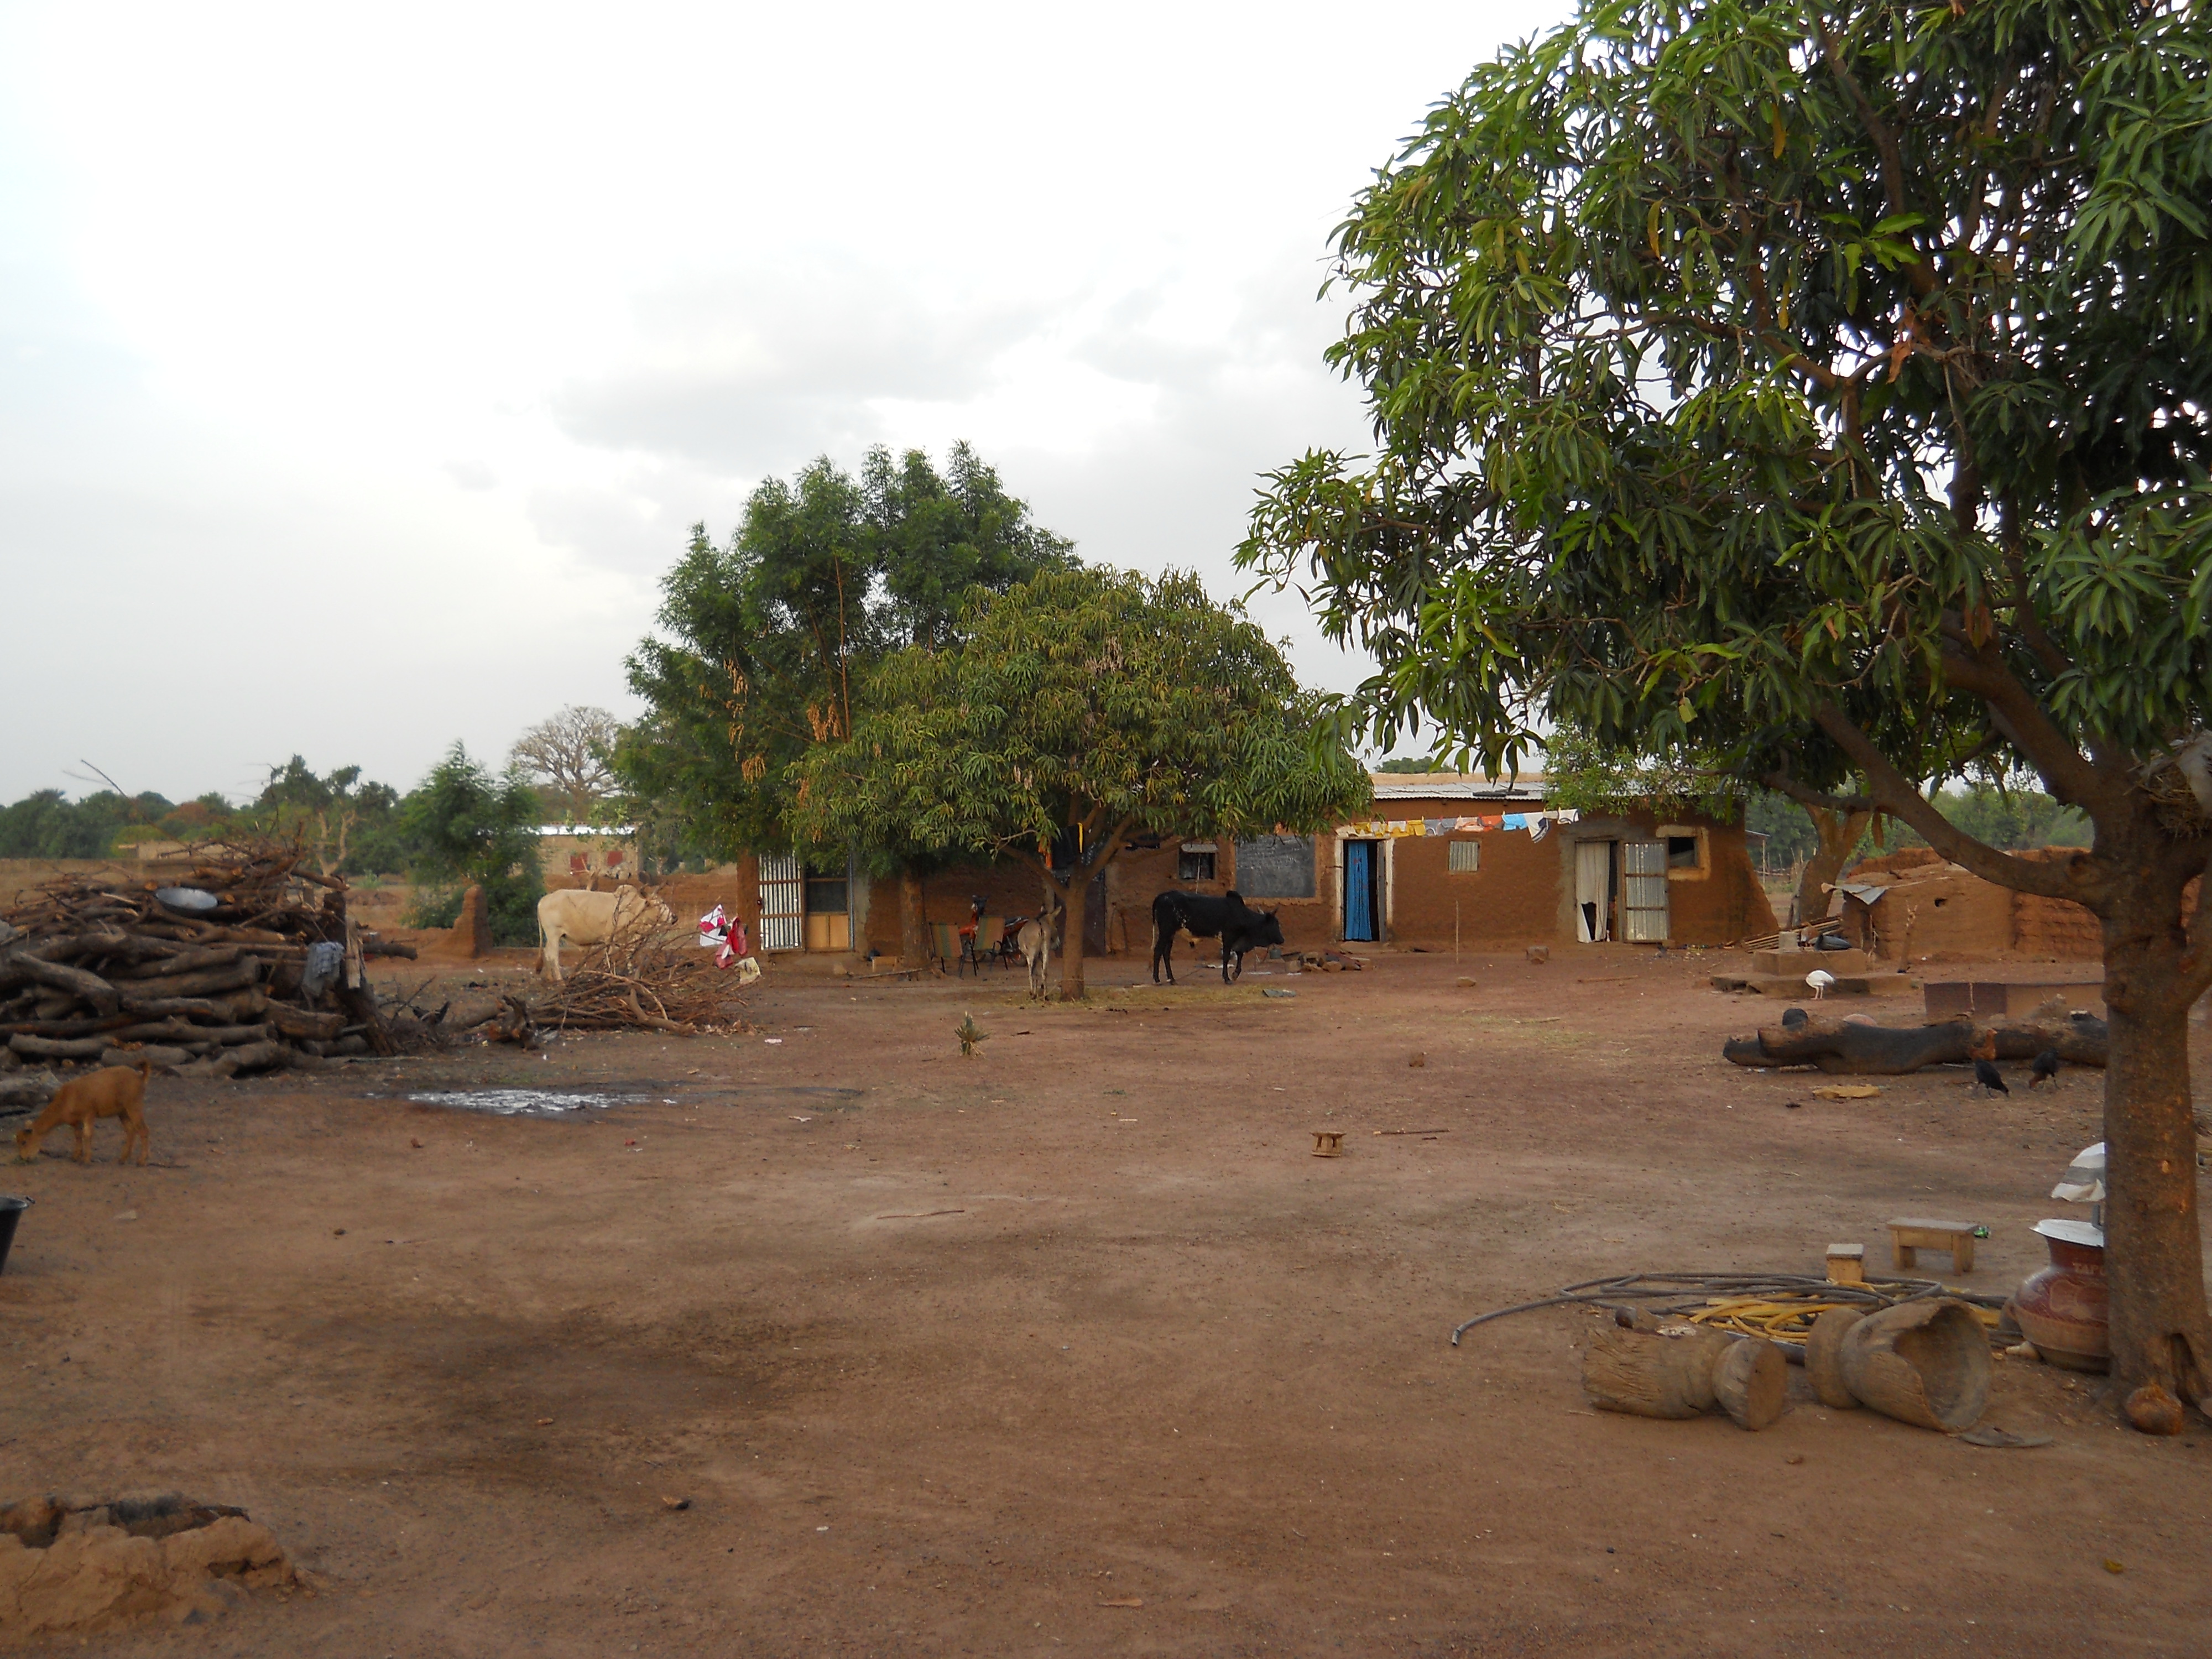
(1593, 891)
(1359, 889)
(1644, 891)
(782, 902)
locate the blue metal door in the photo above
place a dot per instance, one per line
(1359, 889)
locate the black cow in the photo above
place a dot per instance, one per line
(1240, 927)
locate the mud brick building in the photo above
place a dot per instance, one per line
(1438, 857)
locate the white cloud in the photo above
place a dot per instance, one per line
(364, 370)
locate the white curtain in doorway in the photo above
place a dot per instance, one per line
(1593, 894)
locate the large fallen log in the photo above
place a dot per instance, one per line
(1852, 1048)
(57, 1047)
(305, 1024)
(242, 1004)
(184, 962)
(25, 966)
(236, 976)
(26, 1091)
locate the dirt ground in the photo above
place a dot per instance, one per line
(1073, 1346)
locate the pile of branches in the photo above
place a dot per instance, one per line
(245, 962)
(640, 979)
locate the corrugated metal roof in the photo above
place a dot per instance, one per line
(1446, 785)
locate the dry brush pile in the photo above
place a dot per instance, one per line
(246, 963)
(642, 978)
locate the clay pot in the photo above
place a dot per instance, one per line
(2060, 1308)
(1925, 1362)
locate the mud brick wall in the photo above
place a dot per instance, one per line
(1513, 897)
(2055, 927)
(1725, 905)
(1938, 908)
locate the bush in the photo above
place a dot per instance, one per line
(471, 828)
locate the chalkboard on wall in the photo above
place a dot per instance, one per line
(1276, 866)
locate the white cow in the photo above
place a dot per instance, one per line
(583, 918)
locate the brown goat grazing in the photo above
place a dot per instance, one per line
(111, 1091)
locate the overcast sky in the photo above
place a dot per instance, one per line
(360, 369)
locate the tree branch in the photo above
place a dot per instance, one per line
(1782, 784)
(1885, 142)
(2079, 879)
(1043, 868)
(2071, 776)
(2025, 621)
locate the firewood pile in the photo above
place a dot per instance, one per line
(640, 979)
(245, 962)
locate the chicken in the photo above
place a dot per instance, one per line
(1986, 1074)
(2044, 1068)
(1820, 978)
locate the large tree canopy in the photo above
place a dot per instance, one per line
(1829, 386)
(1078, 710)
(766, 640)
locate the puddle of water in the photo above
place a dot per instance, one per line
(525, 1102)
(564, 1102)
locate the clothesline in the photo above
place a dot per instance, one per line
(1538, 825)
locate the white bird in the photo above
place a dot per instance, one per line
(1820, 978)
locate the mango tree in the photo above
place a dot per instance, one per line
(764, 640)
(1078, 711)
(1831, 383)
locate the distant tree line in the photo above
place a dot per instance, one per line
(2011, 819)
(463, 824)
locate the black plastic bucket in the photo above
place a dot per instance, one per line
(11, 1212)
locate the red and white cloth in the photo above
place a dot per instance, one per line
(724, 935)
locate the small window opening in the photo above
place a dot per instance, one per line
(1194, 867)
(1681, 851)
(1461, 857)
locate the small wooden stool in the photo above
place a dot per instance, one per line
(1847, 1264)
(1329, 1143)
(1909, 1234)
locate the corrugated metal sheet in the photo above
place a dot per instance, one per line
(782, 902)
(1644, 891)
(1528, 789)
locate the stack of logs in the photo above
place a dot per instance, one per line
(208, 973)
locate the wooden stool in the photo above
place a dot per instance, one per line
(1909, 1234)
(1329, 1143)
(1847, 1264)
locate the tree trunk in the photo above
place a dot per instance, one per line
(1893, 1050)
(1072, 896)
(1651, 1375)
(2154, 1264)
(914, 929)
(1839, 834)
